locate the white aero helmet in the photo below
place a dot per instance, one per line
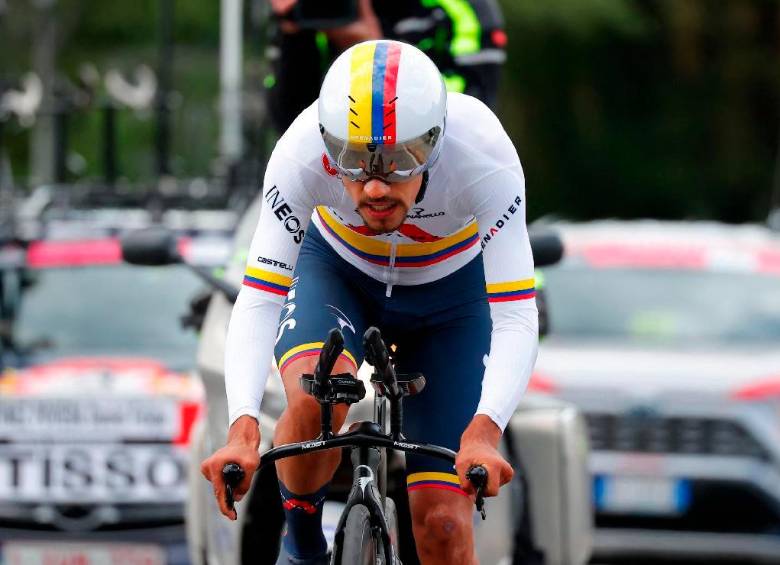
(382, 108)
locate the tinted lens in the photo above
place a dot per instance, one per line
(361, 176)
(392, 162)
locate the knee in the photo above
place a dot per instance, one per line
(439, 525)
(303, 414)
(301, 417)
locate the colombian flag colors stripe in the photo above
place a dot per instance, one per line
(267, 281)
(407, 254)
(308, 349)
(509, 291)
(444, 481)
(372, 92)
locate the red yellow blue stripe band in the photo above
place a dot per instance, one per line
(384, 80)
(510, 291)
(373, 81)
(267, 281)
(360, 92)
(407, 254)
(443, 481)
(307, 350)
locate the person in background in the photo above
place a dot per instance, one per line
(465, 38)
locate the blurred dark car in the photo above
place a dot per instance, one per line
(97, 393)
(667, 337)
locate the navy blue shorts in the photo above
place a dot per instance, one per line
(441, 329)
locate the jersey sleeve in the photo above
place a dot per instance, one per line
(286, 210)
(497, 200)
(509, 277)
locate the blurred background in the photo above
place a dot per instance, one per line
(621, 108)
(649, 132)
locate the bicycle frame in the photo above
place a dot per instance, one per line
(368, 439)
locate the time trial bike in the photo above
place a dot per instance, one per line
(367, 532)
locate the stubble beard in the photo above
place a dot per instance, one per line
(384, 225)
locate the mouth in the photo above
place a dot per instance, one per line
(379, 210)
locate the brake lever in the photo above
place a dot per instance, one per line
(478, 477)
(232, 474)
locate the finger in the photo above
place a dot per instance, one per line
(219, 493)
(493, 482)
(465, 483)
(507, 474)
(246, 483)
(205, 470)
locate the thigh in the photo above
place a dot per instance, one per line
(325, 294)
(451, 356)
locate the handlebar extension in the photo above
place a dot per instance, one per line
(331, 349)
(379, 358)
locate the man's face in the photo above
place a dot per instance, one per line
(383, 206)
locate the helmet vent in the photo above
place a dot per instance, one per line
(352, 110)
(389, 113)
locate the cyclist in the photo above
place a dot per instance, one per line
(464, 38)
(411, 226)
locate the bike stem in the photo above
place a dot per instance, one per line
(396, 418)
(326, 420)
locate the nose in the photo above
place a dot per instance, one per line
(375, 189)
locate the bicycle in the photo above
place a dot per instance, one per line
(367, 530)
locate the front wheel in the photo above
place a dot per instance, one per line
(359, 546)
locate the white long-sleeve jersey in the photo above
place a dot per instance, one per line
(474, 202)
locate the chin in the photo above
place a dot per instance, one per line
(387, 225)
(382, 227)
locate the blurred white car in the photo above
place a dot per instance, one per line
(667, 337)
(97, 398)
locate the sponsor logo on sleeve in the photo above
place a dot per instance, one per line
(284, 213)
(275, 263)
(504, 220)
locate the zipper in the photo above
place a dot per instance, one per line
(391, 269)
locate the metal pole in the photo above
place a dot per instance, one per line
(45, 64)
(230, 77)
(2, 143)
(165, 62)
(60, 140)
(109, 144)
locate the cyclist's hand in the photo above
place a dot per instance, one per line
(241, 448)
(281, 7)
(478, 446)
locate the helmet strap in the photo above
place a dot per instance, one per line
(423, 186)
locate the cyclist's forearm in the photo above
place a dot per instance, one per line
(511, 361)
(354, 33)
(249, 352)
(482, 429)
(245, 431)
